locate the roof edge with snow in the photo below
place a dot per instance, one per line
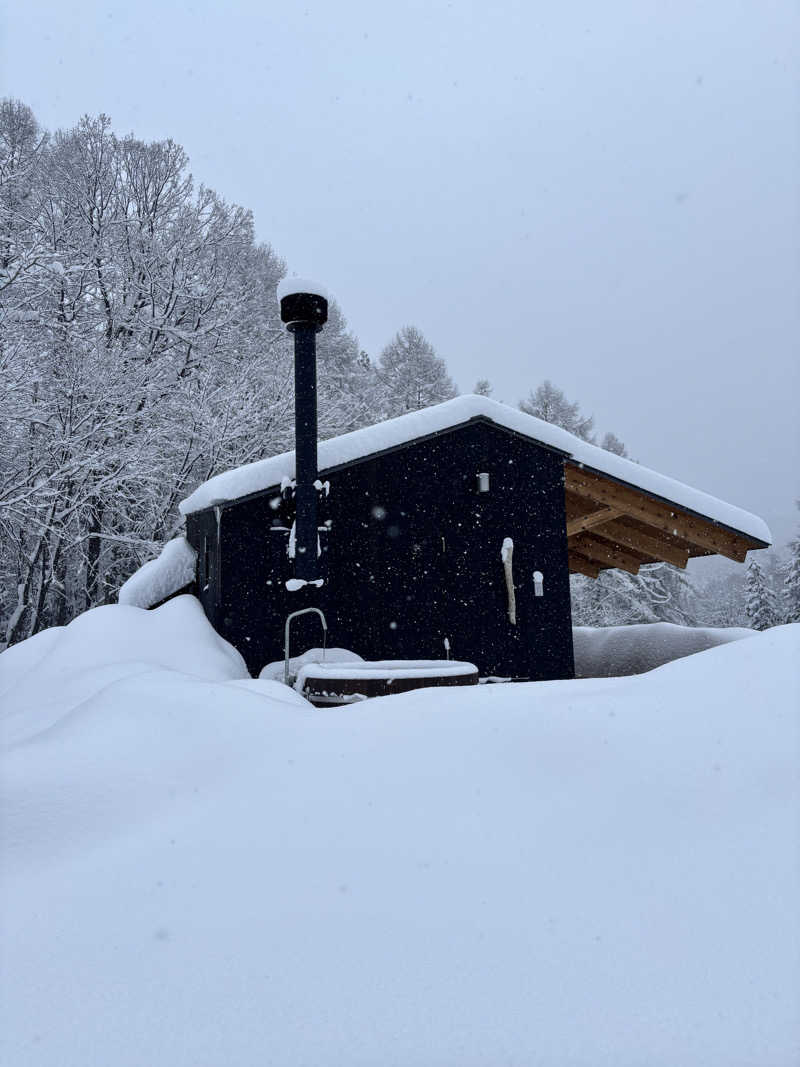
(366, 443)
(162, 577)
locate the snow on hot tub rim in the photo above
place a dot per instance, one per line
(386, 668)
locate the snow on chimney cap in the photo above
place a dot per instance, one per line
(290, 286)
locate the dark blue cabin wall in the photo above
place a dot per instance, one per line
(201, 533)
(413, 557)
(255, 568)
(428, 565)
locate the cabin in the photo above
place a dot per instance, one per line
(447, 531)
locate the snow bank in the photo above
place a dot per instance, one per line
(617, 651)
(24, 656)
(173, 569)
(45, 678)
(359, 444)
(197, 872)
(313, 655)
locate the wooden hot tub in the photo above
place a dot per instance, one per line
(344, 683)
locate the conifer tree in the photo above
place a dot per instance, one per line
(791, 590)
(611, 443)
(548, 402)
(761, 605)
(791, 585)
(411, 374)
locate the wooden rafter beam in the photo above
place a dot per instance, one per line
(576, 507)
(605, 554)
(626, 537)
(594, 518)
(581, 565)
(654, 513)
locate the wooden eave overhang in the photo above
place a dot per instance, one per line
(614, 524)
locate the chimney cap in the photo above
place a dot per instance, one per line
(303, 301)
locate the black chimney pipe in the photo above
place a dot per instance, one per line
(305, 312)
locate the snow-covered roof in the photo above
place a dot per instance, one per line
(360, 444)
(159, 578)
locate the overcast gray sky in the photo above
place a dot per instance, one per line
(602, 194)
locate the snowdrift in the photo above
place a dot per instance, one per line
(58, 670)
(202, 869)
(619, 651)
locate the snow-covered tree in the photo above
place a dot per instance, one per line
(483, 387)
(791, 589)
(548, 402)
(720, 595)
(141, 351)
(659, 593)
(791, 582)
(611, 443)
(348, 384)
(411, 375)
(761, 605)
(22, 147)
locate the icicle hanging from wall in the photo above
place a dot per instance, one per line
(507, 557)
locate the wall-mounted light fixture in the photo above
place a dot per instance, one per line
(483, 482)
(538, 583)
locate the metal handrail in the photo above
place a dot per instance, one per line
(294, 614)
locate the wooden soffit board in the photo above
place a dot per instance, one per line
(658, 549)
(604, 554)
(579, 564)
(606, 520)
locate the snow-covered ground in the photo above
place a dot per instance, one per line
(201, 869)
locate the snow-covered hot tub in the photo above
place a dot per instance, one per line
(344, 683)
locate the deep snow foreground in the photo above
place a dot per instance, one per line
(201, 869)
